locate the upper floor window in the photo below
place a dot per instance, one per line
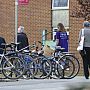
(60, 4)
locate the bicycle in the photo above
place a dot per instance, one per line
(25, 56)
(66, 56)
(43, 65)
(11, 65)
(65, 62)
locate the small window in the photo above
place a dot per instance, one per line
(60, 4)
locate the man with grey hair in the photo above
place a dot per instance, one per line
(85, 53)
(20, 29)
(22, 38)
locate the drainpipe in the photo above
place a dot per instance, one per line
(16, 19)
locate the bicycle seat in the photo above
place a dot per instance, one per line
(12, 43)
(6, 45)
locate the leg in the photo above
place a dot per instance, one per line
(85, 64)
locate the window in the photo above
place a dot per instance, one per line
(60, 4)
(60, 16)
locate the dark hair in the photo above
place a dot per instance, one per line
(61, 26)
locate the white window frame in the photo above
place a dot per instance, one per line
(67, 7)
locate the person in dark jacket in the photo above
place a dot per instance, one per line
(22, 38)
(2, 40)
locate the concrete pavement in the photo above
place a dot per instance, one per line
(46, 84)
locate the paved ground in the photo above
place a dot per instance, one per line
(77, 83)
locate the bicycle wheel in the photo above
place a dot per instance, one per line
(30, 70)
(59, 71)
(76, 64)
(44, 67)
(13, 67)
(47, 68)
(68, 66)
(1, 74)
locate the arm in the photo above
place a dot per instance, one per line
(57, 38)
(57, 41)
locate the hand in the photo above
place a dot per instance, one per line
(58, 47)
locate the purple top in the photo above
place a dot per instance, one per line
(63, 40)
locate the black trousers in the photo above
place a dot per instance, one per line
(85, 54)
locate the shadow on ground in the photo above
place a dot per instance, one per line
(79, 86)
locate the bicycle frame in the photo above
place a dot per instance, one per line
(5, 58)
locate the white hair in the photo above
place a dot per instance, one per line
(21, 29)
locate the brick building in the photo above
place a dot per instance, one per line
(36, 17)
(75, 25)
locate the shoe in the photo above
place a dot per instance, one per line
(87, 77)
(24, 77)
(67, 69)
(89, 66)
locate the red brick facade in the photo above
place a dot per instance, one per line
(75, 25)
(35, 17)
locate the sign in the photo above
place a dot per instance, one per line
(23, 2)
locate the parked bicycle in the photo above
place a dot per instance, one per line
(66, 65)
(29, 63)
(11, 65)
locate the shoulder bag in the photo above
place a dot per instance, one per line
(81, 43)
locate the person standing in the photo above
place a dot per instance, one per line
(62, 37)
(85, 53)
(2, 41)
(22, 38)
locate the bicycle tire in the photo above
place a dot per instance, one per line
(67, 64)
(30, 70)
(15, 72)
(45, 68)
(57, 71)
(76, 64)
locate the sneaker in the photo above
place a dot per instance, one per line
(89, 66)
(24, 77)
(67, 69)
(87, 77)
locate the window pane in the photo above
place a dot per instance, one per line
(60, 3)
(61, 16)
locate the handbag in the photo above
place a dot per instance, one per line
(81, 43)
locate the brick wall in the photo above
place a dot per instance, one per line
(35, 17)
(75, 26)
(7, 19)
